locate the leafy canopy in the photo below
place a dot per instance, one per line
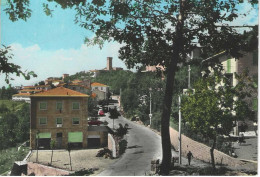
(216, 104)
(8, 68)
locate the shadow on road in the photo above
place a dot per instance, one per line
(135, 146)
(138, 152)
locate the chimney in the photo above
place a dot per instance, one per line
(109, 63)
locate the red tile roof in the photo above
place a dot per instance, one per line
(96, 84)
(22, 94)
(60, 92)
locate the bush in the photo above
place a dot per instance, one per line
(9, 156)
(122, 146)
(103, 152)
(121, 131)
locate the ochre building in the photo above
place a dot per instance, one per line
(61, 114)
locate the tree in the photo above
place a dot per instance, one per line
(8, 68)
(113, 115)
(52, 145)
(216, 105)
(69, 149)
(156, 32)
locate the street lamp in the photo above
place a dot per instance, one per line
(150, 115)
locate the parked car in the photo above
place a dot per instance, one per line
(95, 122)
(101, 113)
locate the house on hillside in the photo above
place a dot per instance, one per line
(233, 65)
(101, 90)
(79, 88)
(24, 94)
(61, 114)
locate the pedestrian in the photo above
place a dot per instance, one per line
(189, 155)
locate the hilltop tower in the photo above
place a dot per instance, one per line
(109, 63)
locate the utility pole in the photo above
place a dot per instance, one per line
(179, 129)
(189, 76)
(150, 115)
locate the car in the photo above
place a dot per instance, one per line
(101, 113)
(95, 122)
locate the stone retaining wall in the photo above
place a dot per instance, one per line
(42, 170)
(201, 151)
(111, 145)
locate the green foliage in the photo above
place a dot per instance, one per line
(115, 80)
(114, 113)
(8, 68)
(9, 156)
(210, 111)
(52, 144)
(156, 121)
(122, 146)
(6, 93)
(14, 124)
(79, 75)
(122, 130)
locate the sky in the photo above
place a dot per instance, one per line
(52, 46)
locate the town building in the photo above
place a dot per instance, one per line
(231, 65)
(61, 114)
(101, 90)
(24, 94)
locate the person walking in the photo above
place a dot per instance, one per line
(189, 155)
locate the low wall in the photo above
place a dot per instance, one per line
(111, 145)
(201, 151)
(42, 170)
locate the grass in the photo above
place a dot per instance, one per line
(9, 156)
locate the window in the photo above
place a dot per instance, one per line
(59, 105)
(43, 121)
(43, 105)
(59, 121)
(75, 105)
(75, 121)
(101, 88)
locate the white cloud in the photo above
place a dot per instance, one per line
(46, 63)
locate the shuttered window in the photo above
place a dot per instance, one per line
(43, 120)
(59, 105)
(75, 137)
(43, 105)
(44, 135)
(75, 105)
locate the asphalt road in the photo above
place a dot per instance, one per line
(143, 146)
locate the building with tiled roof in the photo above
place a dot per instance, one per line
(61, 114)
(22, 97)
(101, 90)
(60, 92)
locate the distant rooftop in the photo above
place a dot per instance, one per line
(60, 92)
(96, 84)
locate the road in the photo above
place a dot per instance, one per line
(143, 146)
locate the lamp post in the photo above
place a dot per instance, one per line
(179, 129)
(150, 115)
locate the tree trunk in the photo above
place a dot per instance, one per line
(212, 153)
(171, 70)
(70, 162)
(51, 155)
